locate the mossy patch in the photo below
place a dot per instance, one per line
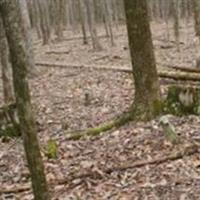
(51, 150)
(182, 100)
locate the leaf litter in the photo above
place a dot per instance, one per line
(81, 169)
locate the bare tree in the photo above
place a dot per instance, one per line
(92, 26)
(26, 31)
(175, 13)
(82, 13)
(6, 67)
(9, 11)
(43, 12)
(196, 14)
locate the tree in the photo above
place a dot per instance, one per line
(6, 67)
(42, 8)
(91, 23)
(196, 13)
(82, 14)
(147, 94)
(27, 34)
(175, 13)
(12, 21)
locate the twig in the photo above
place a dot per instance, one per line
(188, 151)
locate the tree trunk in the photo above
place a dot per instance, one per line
(9, 11)
(108, 21)
(36, 18)
(6, 67)
(82, 13)
(58, 15)
(27, 34)
(42, 7)
(196, 13)
(175, 13)
(92, 26)
(147, 93)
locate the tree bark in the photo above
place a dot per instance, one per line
(43, 12)
(196, 14)
(92, 26)
(10, 13)
(147, 94)
(27, 34)
(6, 67)
(82, 13)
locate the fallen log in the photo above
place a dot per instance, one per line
(178, 76)
(180, 68)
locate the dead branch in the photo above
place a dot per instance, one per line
(15, 188)
(57, 52)
(181, 68)
(178, 76)
(187, 151)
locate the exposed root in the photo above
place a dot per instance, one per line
(101, 128)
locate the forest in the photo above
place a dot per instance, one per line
(99, 100)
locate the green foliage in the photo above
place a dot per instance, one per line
(9, 126)
(51, 149)
(157, 105)
(10, 131)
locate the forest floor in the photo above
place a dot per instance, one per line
(113, 165)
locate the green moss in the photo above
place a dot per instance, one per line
(102, 128)
(10, 130)
(9, 126)
(51, 149)
(157, 105)
(182, 101)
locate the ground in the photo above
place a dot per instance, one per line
(103, 167)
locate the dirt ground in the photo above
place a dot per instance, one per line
(94, 168)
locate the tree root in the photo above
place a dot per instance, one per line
(101, 128)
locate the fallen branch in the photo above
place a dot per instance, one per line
(188, 151)
(179, 76)
(97, 174)
(101, 58)
(57, 52)
(15, 188)
(181, 68)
